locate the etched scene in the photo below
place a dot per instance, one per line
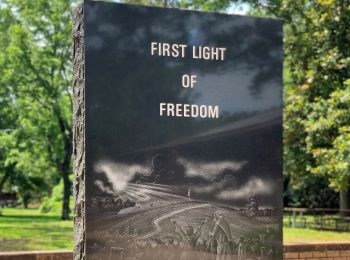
(174, 208)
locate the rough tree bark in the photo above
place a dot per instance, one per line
(79, 132)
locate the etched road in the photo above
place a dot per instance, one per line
(156, 221)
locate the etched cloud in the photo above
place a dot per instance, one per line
(254, 186)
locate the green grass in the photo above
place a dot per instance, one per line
(309, 235)
(305, 236)
(28, 229)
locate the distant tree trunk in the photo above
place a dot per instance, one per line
(26, 199)
(4, 179)
(66, 196)
(345, 202)
(8, 170)
(64, 166)
(65, 170)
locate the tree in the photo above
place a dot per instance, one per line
(317, 47)
(35, 88)
(328, 140)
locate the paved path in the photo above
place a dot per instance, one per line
(156, 221)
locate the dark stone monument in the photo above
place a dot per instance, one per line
(177, 134)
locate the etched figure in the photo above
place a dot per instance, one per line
(262, 246)
(242, 249)
(255, 248)
(190, 236)
(189, 239)
(220, 242)
(252, 208)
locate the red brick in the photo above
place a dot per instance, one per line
(291, 255)
(319, 254)
(333, 253)
(305, 255)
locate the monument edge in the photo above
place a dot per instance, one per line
(78, 53)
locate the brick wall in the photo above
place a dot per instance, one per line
(318, 251)
(37, 255)
(339, 251)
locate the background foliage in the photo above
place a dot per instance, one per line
(35, 96)
(35, 88)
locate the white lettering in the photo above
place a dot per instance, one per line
(188, 81)
(213, 112)
(187, 110)
(170, 108)
(194, 110)
(168, 49)
(153, 47)
(203, 111)
(178, 110)
(161, 109)
(208, 53)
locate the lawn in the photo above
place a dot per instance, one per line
(306, 236)
(309, 235)
(28, 229)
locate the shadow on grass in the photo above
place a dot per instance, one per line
(14, 245)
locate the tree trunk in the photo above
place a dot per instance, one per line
(26, 199)
(4, 179)
(344, 202)
(66, 196)
(64, 166)
(65, 170)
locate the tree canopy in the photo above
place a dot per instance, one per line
(317, 41)
(35, 64)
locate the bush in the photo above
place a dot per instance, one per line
(311, 192)
(53, 204)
